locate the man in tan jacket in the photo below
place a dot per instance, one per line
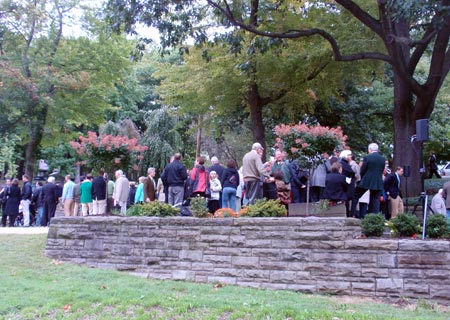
(121, 190)
(253, 170)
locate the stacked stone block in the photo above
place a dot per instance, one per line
(313, 255)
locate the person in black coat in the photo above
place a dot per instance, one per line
(371, 179)
(99, 194)
(3, 198)
(175, 174)
(335, 184)
(392, 189)
(50, 198)
(38, 203)
(13, 195)
(347, 171)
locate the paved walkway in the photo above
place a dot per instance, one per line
(23, 230)
(31, 230)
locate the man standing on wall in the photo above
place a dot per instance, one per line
(86, 195)
(121, 190)
(371, 179)
(67, 196)
(253, 169)
(99, 194)
(26, 199)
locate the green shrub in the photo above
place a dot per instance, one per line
(154, 208)
(406, 225)
(373, 225)
(266, 208)
(437, 226)
(198, 207)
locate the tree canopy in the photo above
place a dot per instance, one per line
(51, 86)
(398, 33)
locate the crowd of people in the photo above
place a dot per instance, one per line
(367, 186)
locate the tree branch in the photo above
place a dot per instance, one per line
(422, 45)
(362, 16)
(439, 57)
(294, 34)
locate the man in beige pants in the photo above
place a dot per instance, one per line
(392, 189)
(67, 196)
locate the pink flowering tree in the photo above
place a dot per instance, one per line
(109, 152)
(306, 144)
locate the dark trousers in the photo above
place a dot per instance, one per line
(49, 213)
(374, 204)
(298, 193)
(4, 216)
(109, 204)
(436, 172)
(253, 191)
(213, 205)
(166, 194)
(316, 193)
(12, 219)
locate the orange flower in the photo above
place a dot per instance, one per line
(225, 213)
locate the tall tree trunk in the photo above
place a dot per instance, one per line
(406, 151)
(30, 155)
(199, 137)
(35, 129)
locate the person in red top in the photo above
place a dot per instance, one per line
(199, 178)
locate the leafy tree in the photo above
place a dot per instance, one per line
(400, 33)
(243, 72)
(61, 157)
(161, 138)
(440, 132)
(8, 155)
(363, 113)
(52, 86)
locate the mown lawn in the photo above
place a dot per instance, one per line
(35, 287)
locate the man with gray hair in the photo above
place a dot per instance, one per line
(253, 170)
(150, 186)
(50, 199)
(121, 190)
(371, 179)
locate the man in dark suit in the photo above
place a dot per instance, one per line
(392, 189)
(99, 194)
(50, 199)
(371, 179)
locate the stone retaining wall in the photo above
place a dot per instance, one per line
(313, 255)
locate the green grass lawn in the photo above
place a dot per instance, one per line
(35, 287)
